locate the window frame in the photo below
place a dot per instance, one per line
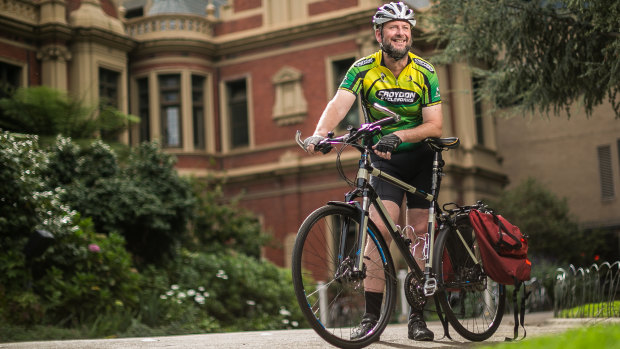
(332, 87)
(225, 126)
(164, 106)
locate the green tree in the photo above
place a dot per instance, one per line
(553, 233)
(535, 55)
(45, 111)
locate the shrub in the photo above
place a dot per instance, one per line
(145, 201)
(218, 227)
(87, 275)
(241, 292)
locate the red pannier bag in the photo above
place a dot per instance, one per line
(503, 248)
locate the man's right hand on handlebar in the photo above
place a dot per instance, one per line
(311, 142)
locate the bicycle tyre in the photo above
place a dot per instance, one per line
(474, 304)
(340, 308)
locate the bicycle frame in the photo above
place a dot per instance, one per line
(367, 193)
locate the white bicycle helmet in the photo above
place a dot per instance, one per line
(392, 12)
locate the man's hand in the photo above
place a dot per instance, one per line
(311, 142)
(386, 145)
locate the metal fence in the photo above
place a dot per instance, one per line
(587, 292)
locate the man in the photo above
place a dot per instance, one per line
(407, 85)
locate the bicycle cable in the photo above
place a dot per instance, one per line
(340, 168)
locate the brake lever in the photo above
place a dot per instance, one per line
(298, 140)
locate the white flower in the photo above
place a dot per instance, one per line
(170, 293)
(201, 289)
(284, 312)
(199, 299)
(191, 293)
(250, 302)
(221, 274)
(174, 287)
(285, 321)
(294, 323)
(206, 294)
(163, 296)
(181, 295)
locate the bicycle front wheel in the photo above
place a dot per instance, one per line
(473, 303)
(329, 290)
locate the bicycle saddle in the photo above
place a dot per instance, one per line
(439, 144)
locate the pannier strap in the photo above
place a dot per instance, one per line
(519, 312)
(517, 245)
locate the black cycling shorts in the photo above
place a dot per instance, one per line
(413, 167)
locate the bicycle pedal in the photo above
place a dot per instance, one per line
(430, 286)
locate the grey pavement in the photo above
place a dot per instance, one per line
(395, 336)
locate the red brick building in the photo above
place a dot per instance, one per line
(225, 84)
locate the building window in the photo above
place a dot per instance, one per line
(339, 70)
(170, 102)
(237, 101)
(478, 112)
(198, 117)
(143, 110)
(108, 87)
(290, 106)
(605, 172)
(10, 77)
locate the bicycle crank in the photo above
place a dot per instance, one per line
(414, 292)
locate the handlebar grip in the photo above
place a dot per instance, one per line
(386, 121)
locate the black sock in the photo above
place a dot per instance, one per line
(373, 302)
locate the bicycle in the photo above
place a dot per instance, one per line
(330, 243)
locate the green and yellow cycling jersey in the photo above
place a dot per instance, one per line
(416, 87)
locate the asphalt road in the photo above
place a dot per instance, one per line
(395, 336)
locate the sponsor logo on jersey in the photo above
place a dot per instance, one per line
(397, 96)
(424, 64)
(364, 62)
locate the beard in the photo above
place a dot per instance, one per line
(393, 52)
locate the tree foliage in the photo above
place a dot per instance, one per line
(217, 227)
(554, 234)
(98, 210)
(45, 111)
(535, 55)
(80, 276)
(145, 201)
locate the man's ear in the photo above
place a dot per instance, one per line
(379, 34)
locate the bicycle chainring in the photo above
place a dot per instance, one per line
(414, 292)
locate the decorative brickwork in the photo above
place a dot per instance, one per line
(238, 25)
(244, 5)
(317, 8)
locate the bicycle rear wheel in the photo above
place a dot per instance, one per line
(330, 295)
(473, 303)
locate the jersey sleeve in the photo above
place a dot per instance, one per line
(431, 94)
(352, 81)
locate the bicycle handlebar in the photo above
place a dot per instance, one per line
(354, 135)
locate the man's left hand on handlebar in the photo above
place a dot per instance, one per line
(386, 145)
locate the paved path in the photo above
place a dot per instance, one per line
(395, 336)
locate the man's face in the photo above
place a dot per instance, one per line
(395, 38)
